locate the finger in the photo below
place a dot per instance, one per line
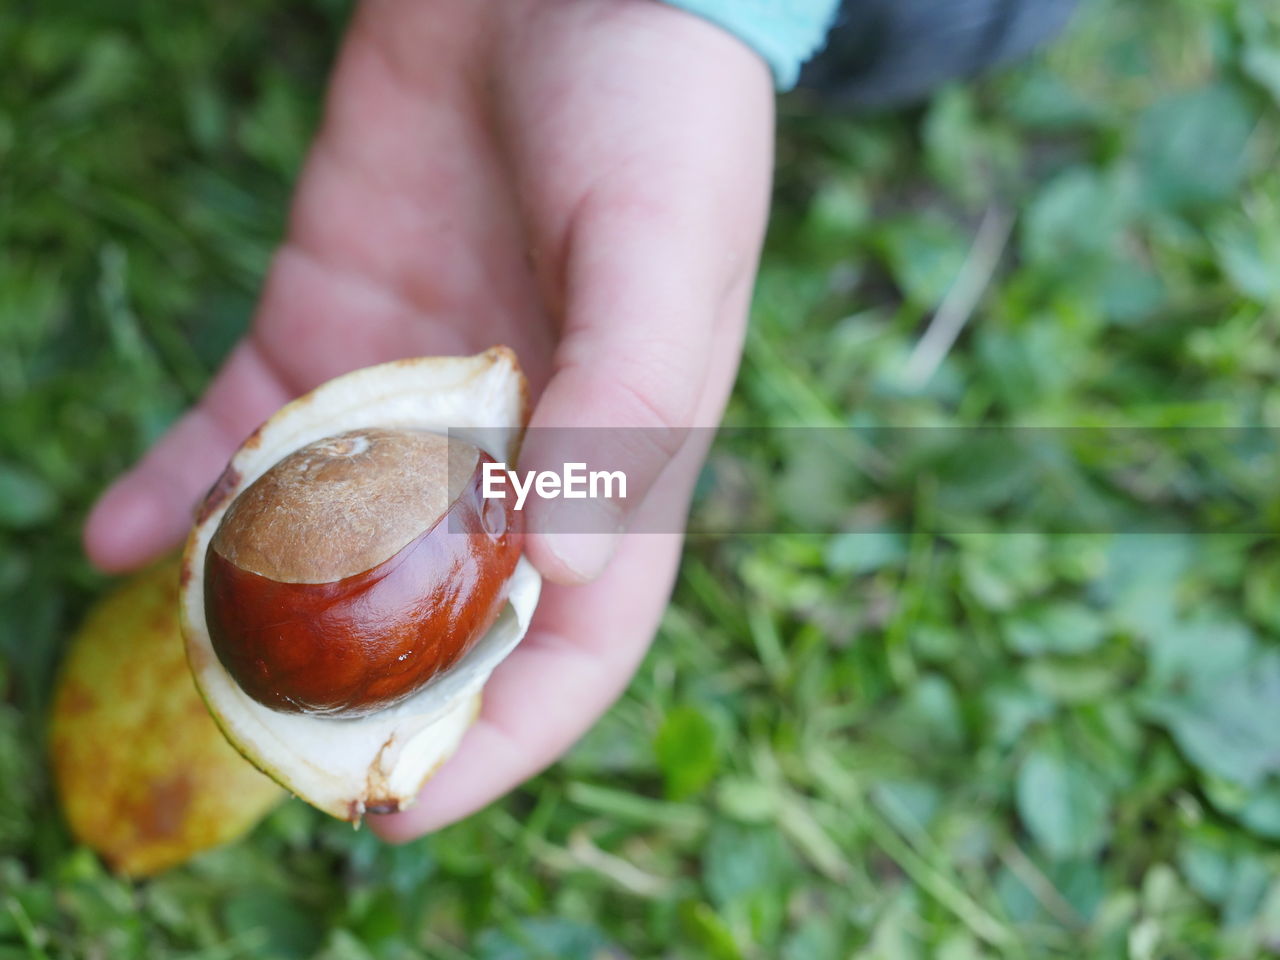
(643, 230)
(625, 385)
(581, 651)
(148, 510)
(552, 688)
(656, 270)
(583, 648)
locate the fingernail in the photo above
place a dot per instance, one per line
(583, 540)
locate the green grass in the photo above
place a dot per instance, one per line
(901, 745)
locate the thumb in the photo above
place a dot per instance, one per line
(641, 148)
(641, 315)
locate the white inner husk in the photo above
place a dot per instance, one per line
(344, 766)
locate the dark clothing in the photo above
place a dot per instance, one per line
(888, 52)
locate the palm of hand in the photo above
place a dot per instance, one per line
(510, 173)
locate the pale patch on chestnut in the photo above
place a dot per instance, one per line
(343, 504)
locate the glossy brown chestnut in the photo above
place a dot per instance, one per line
(356, 569)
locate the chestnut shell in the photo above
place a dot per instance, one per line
(365, 642)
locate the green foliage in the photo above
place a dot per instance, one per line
(877, 743)
(686, 749)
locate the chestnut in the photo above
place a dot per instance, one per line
(357, 568)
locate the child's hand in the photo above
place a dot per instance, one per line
(583, 180)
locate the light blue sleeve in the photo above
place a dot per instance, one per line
(785, 33)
